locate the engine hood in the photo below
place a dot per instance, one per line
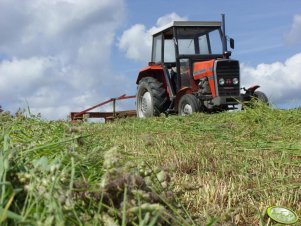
(203, 69)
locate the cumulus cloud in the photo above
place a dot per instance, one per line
(279, 80)
(22, 75)
(136, 42)
(294, 35)
(169, 18)
(57, 54)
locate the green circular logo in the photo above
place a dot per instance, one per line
(282, 215)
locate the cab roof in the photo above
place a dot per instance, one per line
(188, 24)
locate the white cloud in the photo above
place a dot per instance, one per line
(294, 35)
(136, 42)
(21, 75)
(58, 54)
(280, 81)
(169, 18)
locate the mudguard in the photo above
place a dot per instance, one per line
(155, 71)
(160, 73)
(247, 96)
(252, 89)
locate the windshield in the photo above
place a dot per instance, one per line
(196, 40)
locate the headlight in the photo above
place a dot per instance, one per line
(235, 81)
(221, 81)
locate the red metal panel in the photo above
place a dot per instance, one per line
(105, 115)
(205, 69)
(151, 67)
(153, 71)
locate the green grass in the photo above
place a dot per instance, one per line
(204, 169)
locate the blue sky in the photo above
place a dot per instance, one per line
(64, 55)
(258, 27)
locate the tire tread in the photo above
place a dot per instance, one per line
(159, 94)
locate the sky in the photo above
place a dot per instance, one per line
(58, 56)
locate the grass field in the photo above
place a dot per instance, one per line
(204, 169)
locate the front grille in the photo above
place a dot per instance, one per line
(228, 69)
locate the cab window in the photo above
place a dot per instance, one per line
(157, 45)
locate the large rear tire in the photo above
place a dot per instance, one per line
(188, 104)
(260, 96)
(256, 96)
(151, 98)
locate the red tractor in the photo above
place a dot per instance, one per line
(191, 71)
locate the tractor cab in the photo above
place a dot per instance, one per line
(190, 71)
(179, 45)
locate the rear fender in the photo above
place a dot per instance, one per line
(159, 73)
(252, 89)
(247, 96)
(155, 71)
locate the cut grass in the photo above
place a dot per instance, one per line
(225, 168)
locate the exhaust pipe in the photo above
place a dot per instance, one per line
(224, 34)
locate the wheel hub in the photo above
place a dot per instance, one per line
(187, 110)
(146, 103)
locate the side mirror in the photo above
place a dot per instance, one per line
(232, 43)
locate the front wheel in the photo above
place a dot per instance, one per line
(188, 104)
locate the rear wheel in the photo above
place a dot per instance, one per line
(151, 98)
(256, 96)
(261, 97)
(188, 104)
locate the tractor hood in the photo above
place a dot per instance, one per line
(205, 69)
(225, 71)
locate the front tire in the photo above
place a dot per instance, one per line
(151, 98)
(188, 104)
